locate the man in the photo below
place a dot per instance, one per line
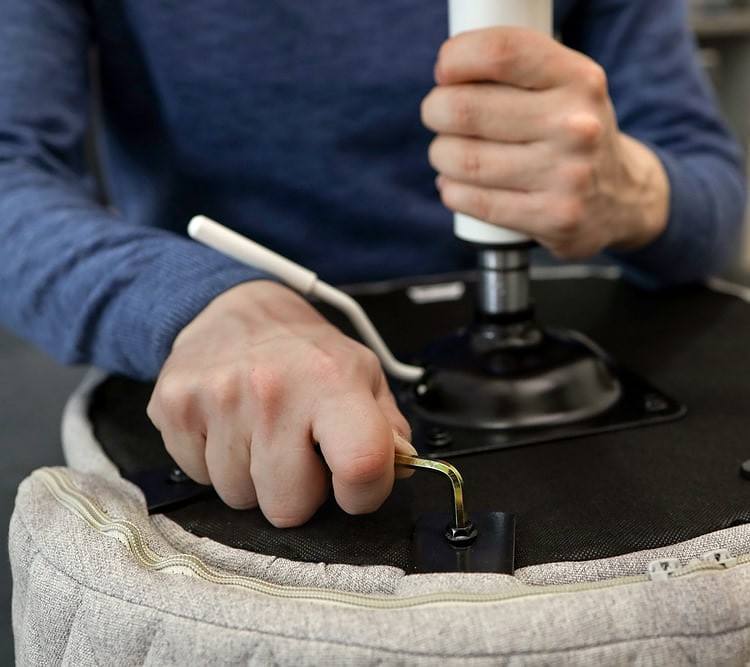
(299, 125)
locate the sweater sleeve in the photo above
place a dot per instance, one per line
(77, 280)
(663, 99)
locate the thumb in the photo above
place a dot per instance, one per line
(403, 446)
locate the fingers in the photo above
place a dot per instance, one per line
(247, 392)
(171, 411)
(282, 473)
(358, 432)
(387, 404)
(495, 112)
(357, 442)
(227, 458)
(291, 480)
(489, 164)
(538, 85)
(403, 446)
(557, 221)
(517, 210)
(401, 430)
(515, 56)
(511, 116)
(188, 452)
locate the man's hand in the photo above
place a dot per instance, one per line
(527, 139)
(254, 383)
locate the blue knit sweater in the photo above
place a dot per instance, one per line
(298, 124)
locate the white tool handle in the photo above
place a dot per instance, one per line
(466, 15)
(241, 248)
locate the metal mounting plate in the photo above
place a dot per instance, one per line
(640, 404)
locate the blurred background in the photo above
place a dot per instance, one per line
(722, 28)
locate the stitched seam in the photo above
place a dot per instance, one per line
(391, 651)
(398, 651)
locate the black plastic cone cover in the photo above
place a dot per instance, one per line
(493, 377)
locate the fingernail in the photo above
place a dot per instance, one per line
(403, 444)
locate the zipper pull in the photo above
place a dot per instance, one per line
(663, 568)
(719, 557)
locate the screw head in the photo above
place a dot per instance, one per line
(177, 476)
(439, 437)
(461, 536)
(654, 403)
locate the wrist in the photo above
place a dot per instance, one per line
(259, 309)
(643, 197)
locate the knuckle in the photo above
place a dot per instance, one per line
(594, 81)
(266, 386)
(224, 392)
(463, 109)
(564, 251)
(481, 206)
(330, 368)
(368, 361)
(499, 50)
(585, 129)
(568, 217)
(344, 362)
(171, 401)
(471, 163)
(363, 469)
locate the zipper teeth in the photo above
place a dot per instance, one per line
(59, 484)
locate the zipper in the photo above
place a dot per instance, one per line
(58, 483)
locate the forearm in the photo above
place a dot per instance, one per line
(88, 287)
(664, 101)
(706, 205)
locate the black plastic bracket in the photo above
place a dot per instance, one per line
(492, 550)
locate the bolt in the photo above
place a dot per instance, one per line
(654, 403)
(463, 536)
(177, 476)
(439, 437)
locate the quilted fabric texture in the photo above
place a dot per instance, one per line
(86, 595)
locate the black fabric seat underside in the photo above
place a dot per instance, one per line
(578, 499)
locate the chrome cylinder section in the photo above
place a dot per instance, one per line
(503, 282)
